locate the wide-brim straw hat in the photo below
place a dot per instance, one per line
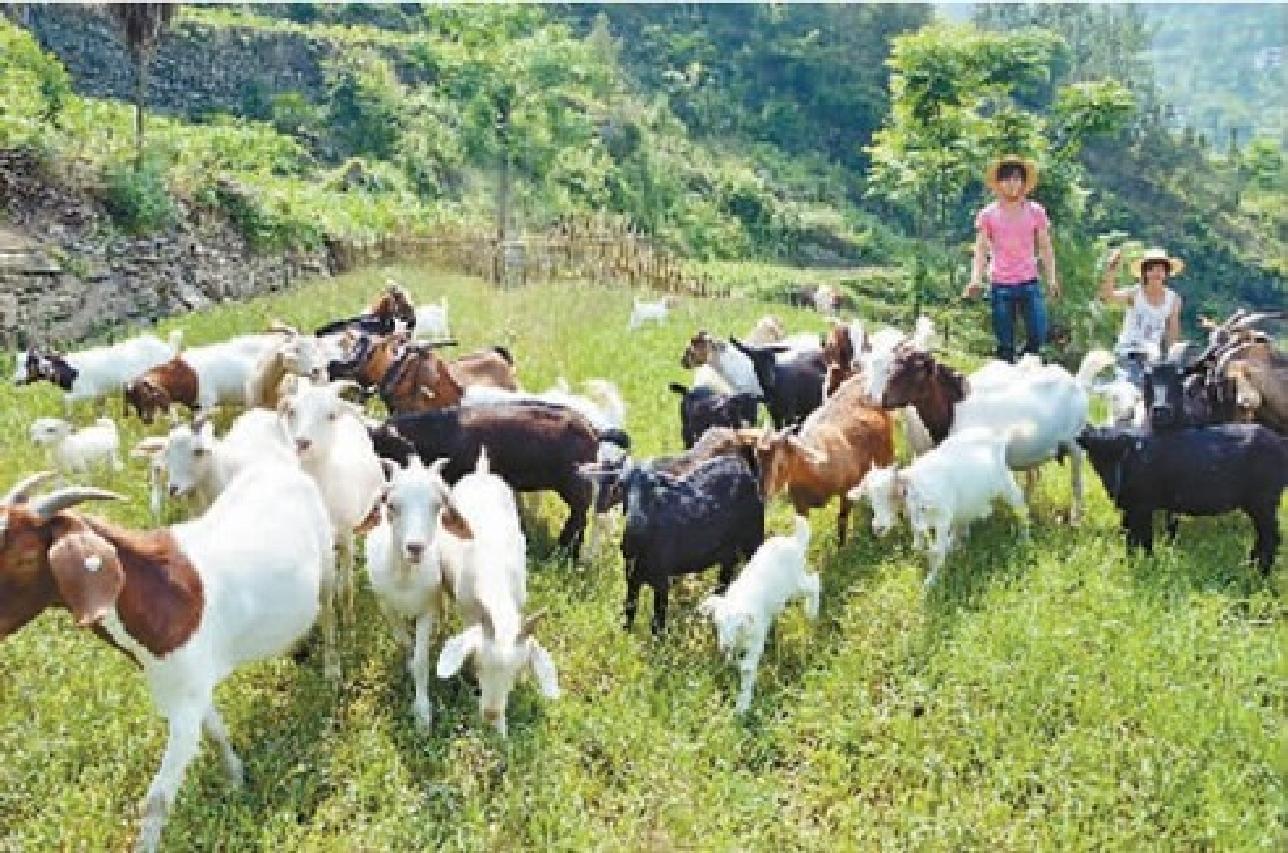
(1030, 171)
(1175, 266)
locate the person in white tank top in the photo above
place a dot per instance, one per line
(1153, 319)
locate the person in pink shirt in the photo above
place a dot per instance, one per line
(1013, 232)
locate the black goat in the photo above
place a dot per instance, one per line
(532, 446)
(792, 388)
(1204, 471)
(677, 526)
(702, 408)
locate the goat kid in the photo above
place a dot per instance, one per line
(77, 451)
(483, 555)
(744, 614)
(403, 565)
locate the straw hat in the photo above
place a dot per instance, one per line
(1175, 266)
(1030, 171)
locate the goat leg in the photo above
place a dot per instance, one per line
(1267, 543)
(632, 593)
(180, 749)
(213, 725)
(661, 592)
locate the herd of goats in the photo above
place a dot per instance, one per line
(304, 470)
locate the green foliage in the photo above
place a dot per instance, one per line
(1052, 694)
(34, 87)
(137, 197)
(364, 97)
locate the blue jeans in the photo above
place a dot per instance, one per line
(1006, 301)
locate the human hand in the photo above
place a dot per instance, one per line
(1114, 258)
(972, 290)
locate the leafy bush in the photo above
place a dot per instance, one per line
(365, 100)
(138, 198)
(34, 87)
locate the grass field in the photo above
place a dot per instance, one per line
(1054, 694)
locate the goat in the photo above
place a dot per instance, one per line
(1045, 396)
(189, 604)
(713, 515)
(333, 448)
(744, 614)
(76, 452)
(655, 312)
(391, 305)
(95, 373)
(832, 452)
(196, 463)
(296, 354)
(791, 388)
(160, 387)
(403, 565)
(1195, 471)
(533, 447)
(768, 330)
(606, 412)
(702, 408)
(483, 555)
(431, 321)
(945, 491)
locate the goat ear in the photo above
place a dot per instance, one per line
(457, 649)
(543, 667)
(88, 574)
(710, 605)
(453, 522)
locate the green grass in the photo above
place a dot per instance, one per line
(1054, 694)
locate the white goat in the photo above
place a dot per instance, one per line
(224, 370)
(946, 490)
(75, 452)
(403, 565)
(94, 373)
(431, 321)
(483, 555)
(195, 462)
(743, 615)
(189, 604)
(333, 447)
(644, 312)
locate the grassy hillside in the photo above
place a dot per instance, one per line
(1051, 694)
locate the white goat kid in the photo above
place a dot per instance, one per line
(743, 615)
(945, 491)
(644, 312)
(334, 448)
(483, 555)
(75, 452)
(431, 321)
(403, 565)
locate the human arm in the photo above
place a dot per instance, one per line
(1047, 253)
(1109, 293)
(977, 266)
(1173, 333)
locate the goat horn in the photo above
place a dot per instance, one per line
(22, 489)
(51, 503)
(200, 420)
(1252, 320)
(530, 623)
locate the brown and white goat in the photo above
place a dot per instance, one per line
(189, 603)
(158, 388)
(836, 446)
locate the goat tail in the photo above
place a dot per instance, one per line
(614, 436)
(1092, 363)
(802, 533)
(176, 341)
(609, 400)
(504, 353)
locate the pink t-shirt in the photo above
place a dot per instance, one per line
(1013, 241)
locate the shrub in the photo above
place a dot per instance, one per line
(137, 198)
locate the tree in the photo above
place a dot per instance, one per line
(141, 24)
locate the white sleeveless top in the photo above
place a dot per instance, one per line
(1145, 324)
